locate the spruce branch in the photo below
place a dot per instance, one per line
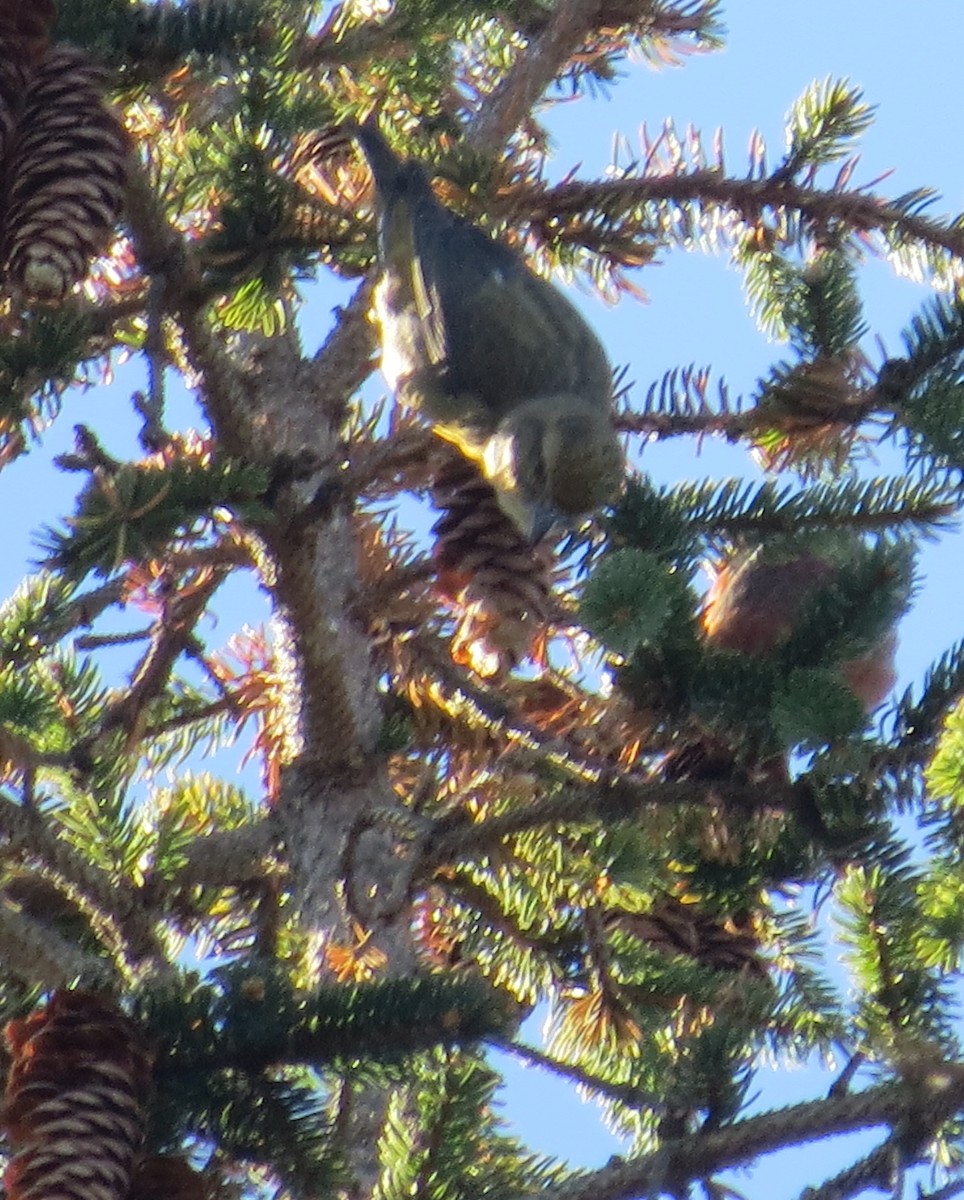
(471, 894)
(39, 955)
(751, 198)
(822, 126)
(432, 1136)
(223, 859)
(493, 713)
(532, 73)
(609, 800)
(656, 22)
(875, 1170)
(686, 1160)
(262, 1022)
(29, 836)
(737, 509)
(81, 610)
(916, 721)
(679, 405)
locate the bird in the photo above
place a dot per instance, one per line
(496, 358)
(757, 596)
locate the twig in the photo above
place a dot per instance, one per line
(151, 407)
(345, 361)
(948, 1192)
(86, 608)
(172, 635)
(164, 254)
(94, 641)
(182, 720)
(623, 1093)
(846, 1077)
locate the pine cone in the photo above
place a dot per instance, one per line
(674, 928)
(67, 177)
(73, 1110)
(498, 584)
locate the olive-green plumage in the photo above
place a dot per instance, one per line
(499, 361)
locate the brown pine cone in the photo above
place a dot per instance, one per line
(74, 1103)
(67, 177)
(497, 584)
(723, 944)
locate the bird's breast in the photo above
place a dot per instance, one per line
(402, 335)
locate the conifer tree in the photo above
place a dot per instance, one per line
(490, 776)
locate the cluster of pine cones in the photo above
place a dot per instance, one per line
(63, 155)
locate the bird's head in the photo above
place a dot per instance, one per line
(552, 459)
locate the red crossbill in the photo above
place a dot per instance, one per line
(497, 358)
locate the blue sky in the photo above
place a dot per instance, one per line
(904, 56)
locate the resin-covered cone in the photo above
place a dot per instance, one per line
(66, 177)
(73, 1112)
(496, 583)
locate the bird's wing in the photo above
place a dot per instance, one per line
(496, 330)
